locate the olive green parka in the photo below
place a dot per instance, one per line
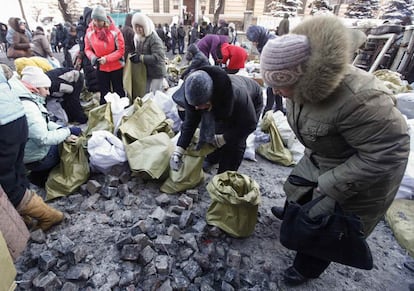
(356, 140)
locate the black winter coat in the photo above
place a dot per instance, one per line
(236, 104)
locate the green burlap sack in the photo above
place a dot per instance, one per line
(191, 173)
(135, 79)
(274, 150)
(8, 271)
(100, 118)
(235, 202)
(72, 171)
(150, 154)
(146, 118)
(400, 217)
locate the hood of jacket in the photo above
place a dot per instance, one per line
(223, 98)
(326, 67)
(259, 34)
(145, 22)
(14, 24)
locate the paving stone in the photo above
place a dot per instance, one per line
(123, 190)
(38, 236)
(166, 286)
(233, 258)
(190, 241)
(129, 200)
(199, 226)
(185, 253)
(127, 278)
(90, 202)
(163, 241)
(79, 272)
(111, 181)
(112, 279)
(185, 201)
(177, 209)
(158, 214)
(162, 264)
(226, 286)
(76, 255)
(109, 192)
(46, 261)
(186, 219)
(174, 231)
(193, 194)
(124, 177)
(171, 218)
(64, 245)
(130, 252)
(142, 240)
(47, 281)
(69, 286)
(93, 187)
(147, 255)
(192, 269)
(162, 200)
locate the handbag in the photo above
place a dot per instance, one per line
(332, 237)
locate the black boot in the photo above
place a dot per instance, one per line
(292, 277)
(278, 212)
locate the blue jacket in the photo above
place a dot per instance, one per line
(10, 104)
(42, 132)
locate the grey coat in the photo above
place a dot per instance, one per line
(356, 140)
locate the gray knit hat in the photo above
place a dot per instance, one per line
(198, 88)
(282, 59)
(99, 13)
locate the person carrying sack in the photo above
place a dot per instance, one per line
(356, 141)
(227, 107)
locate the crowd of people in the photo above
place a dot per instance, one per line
(356, 141)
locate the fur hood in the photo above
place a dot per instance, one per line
(330, 54)
(14, 24)
(145, 22)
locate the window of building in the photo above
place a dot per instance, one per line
(250, 5)
(156, 4)
(166, 6)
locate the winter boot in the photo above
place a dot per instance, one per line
(33, 205)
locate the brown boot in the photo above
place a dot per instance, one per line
(33, 205)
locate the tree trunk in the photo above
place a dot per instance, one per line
(23, 14)
(219, 10)
(63, 8)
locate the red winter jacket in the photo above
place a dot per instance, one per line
(105, 42)
(236, 56)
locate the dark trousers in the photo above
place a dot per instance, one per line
(71, 103)
(229, 156)
(13, 137)
(271, 100)
(40, 170)
(181, 46)
(309, 266)
(108, 80)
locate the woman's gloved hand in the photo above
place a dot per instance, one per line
(135, 58)
(75, 130)
(325, 206)
(176, 160)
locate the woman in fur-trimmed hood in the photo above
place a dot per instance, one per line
(149, 50)
(356, 141)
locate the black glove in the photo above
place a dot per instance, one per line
(135, 58)
(75, 130)
(94, 61)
